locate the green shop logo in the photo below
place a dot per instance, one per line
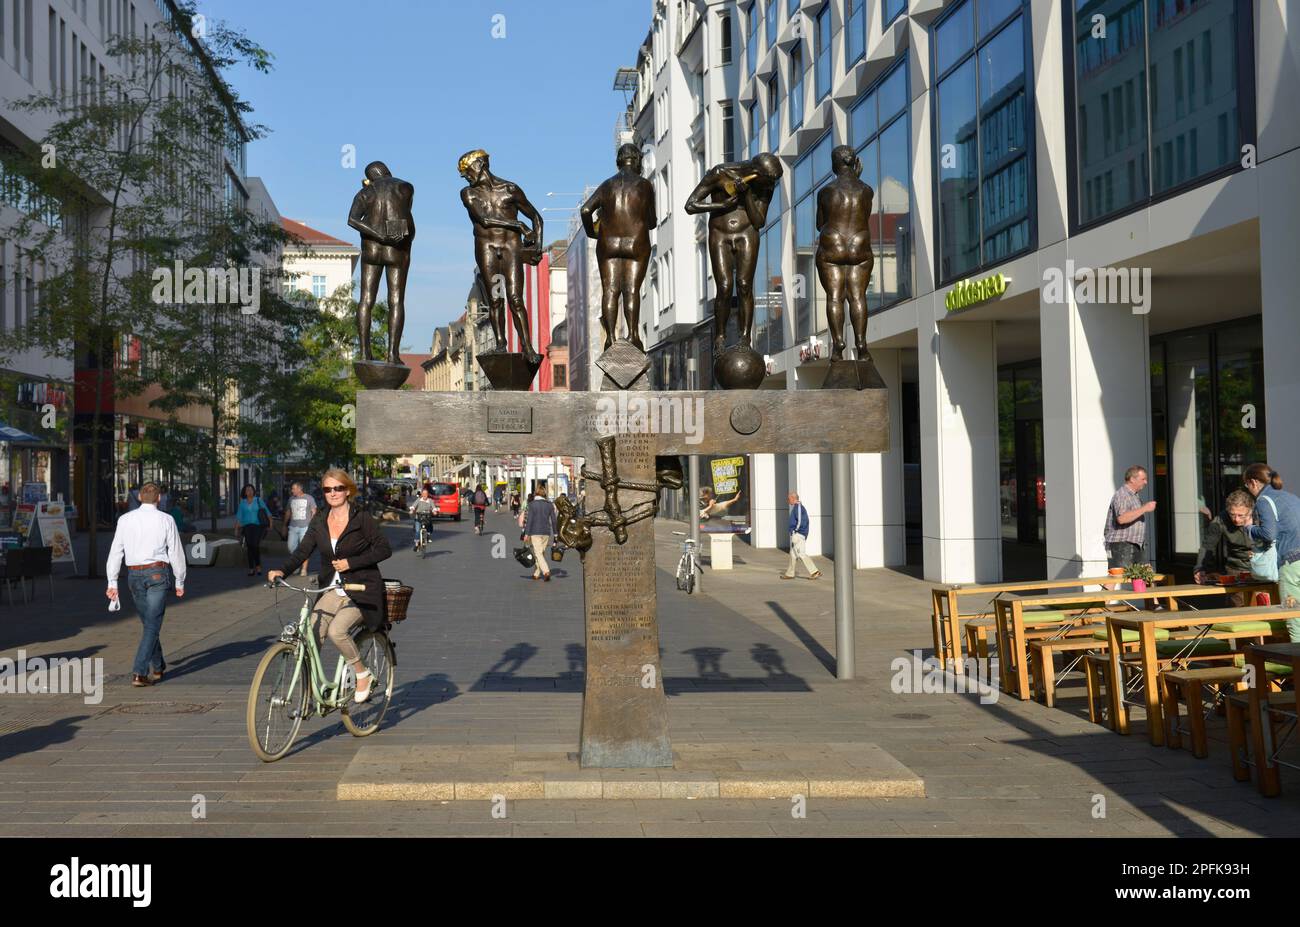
(969, 292)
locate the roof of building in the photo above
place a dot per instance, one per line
(416, 362)
(311, 236)
(560, 334)
(559, 250)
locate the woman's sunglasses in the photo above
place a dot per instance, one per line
(333, 489)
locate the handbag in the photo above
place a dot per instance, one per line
(1263, 563)
(557, 551)
(263, 516)
(525, 557)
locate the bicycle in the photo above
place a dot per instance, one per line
(290, 676)
(422, 538)
(688, 568)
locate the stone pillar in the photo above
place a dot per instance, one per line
(767, 508)
(810, 477)
(878, 482)
(1279, 272)
(1096, 423)
(957, 374)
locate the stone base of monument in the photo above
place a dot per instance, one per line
(380, 374)
(739, 367)
(853, 374)
(482, 772)
(509, 371)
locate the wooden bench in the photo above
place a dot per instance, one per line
(1097, 677)
(946, 613)
(1281, 710)
(1042, 669)
(1186, 684)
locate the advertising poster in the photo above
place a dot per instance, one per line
(52, 531)
(24, 515)
(724, 495)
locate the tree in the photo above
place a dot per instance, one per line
(138, 174)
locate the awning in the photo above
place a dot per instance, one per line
(9, 433)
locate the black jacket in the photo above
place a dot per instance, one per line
(1224, 548)
(363, 545)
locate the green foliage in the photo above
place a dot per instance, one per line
(1141, 571)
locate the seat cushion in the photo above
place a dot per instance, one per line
(1277, 626)
(1273, 669)
(1129, 636)
(1206, 646)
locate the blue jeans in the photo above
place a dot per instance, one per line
(149, 593)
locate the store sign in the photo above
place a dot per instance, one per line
(969, 292)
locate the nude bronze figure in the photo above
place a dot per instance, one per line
(736, 197)
(502, 244)
(381, 212)
(844, 260)
(619, 217)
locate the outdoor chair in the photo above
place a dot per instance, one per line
(11, 572)
(40, 563)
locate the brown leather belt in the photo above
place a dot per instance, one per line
(149, 566)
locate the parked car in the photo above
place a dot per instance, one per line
(446, 496)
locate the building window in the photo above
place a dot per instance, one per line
(796, 86)
(724, 38)
(791, 7)
(983, 136)
(880, 130)
(889, 11)
(823, 53)
(811, 172)
(1141, 55)
(557, 375)
(755, 133)
(318, 286)
(769, 285)
(773, 113)
(770, 14)
(751, 38)
(728, 131)
(855, 31)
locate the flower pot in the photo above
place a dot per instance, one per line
(1139, 585)
(1116, 571)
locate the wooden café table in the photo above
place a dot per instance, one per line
(1012, 617)
(946, 614)
(1146, 623)
(1262, 747)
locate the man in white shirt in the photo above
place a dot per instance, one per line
(148, 542)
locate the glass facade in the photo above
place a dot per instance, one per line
(773, 112)
(985, 171)
(811, 172)
(796, 87)
(855, 30)
(751, 38)
(879, 128)
(1207, 401)
(771, 22)
(1155, 96)
(823, 53)
(890, 9)
(1022, 466)
(769, 284)
(755, 132)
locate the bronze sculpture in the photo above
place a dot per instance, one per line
(381, 212)
(501, 246)
(844, 265)
(737, 197)
(626, 203)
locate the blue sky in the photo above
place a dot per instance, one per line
(416, 83)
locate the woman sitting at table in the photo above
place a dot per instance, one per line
(1226, 545)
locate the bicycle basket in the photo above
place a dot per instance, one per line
(399, 597)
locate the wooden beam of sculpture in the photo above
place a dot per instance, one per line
(721, 422)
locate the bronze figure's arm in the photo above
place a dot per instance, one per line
(651, 214)
(488, 222)
(357, 216)
(821, 207)
(698, 200)
(529, 210)
(594, 202)
(757, 214)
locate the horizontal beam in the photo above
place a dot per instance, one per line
(683, 422)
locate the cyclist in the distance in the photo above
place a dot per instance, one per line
(480, 503)
(423, 509)
(352, 546)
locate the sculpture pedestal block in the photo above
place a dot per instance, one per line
(853, 374)
(507, 371)
(380, 374)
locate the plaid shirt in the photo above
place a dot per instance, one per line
(1135, 532)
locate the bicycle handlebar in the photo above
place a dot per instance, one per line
(347, 587)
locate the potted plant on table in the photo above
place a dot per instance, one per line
(1140, 575)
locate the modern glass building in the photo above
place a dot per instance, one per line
(1127, 172)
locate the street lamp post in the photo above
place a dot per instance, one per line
(693, 472)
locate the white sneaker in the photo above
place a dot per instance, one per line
(360, 696)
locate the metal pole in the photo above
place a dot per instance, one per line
(693, 479)
(842, 487)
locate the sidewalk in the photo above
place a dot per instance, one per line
(491, 659)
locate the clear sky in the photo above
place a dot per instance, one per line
(416, 83)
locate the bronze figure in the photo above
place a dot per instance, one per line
(844, 260)
(502, 244)
(737, 197)
(626, 206)
(381, 212)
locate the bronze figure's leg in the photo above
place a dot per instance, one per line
(489, 265)
(396, 274)
(515, 295)
(609, 298)
(746, 262)
(833, 282)
(859, 280)
(724, 276)
(369, 290)
(635, 270)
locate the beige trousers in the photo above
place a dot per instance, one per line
(797, 542)
(336, 616)
(539, 543)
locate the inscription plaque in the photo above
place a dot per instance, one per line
(515, 420)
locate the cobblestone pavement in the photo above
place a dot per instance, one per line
(489, 657)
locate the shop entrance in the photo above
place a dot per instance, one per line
(1022, 469)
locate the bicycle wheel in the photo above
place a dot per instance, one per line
(690, 579)
(274, 709)
(681, 574)
(377, 654)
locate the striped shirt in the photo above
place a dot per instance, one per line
(1135, 532)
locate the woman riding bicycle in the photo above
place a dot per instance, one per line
(356, 545)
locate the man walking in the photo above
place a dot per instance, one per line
(297, 516)
(539, 529)
(1126, 528)
(147, 540)
(799, 537)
